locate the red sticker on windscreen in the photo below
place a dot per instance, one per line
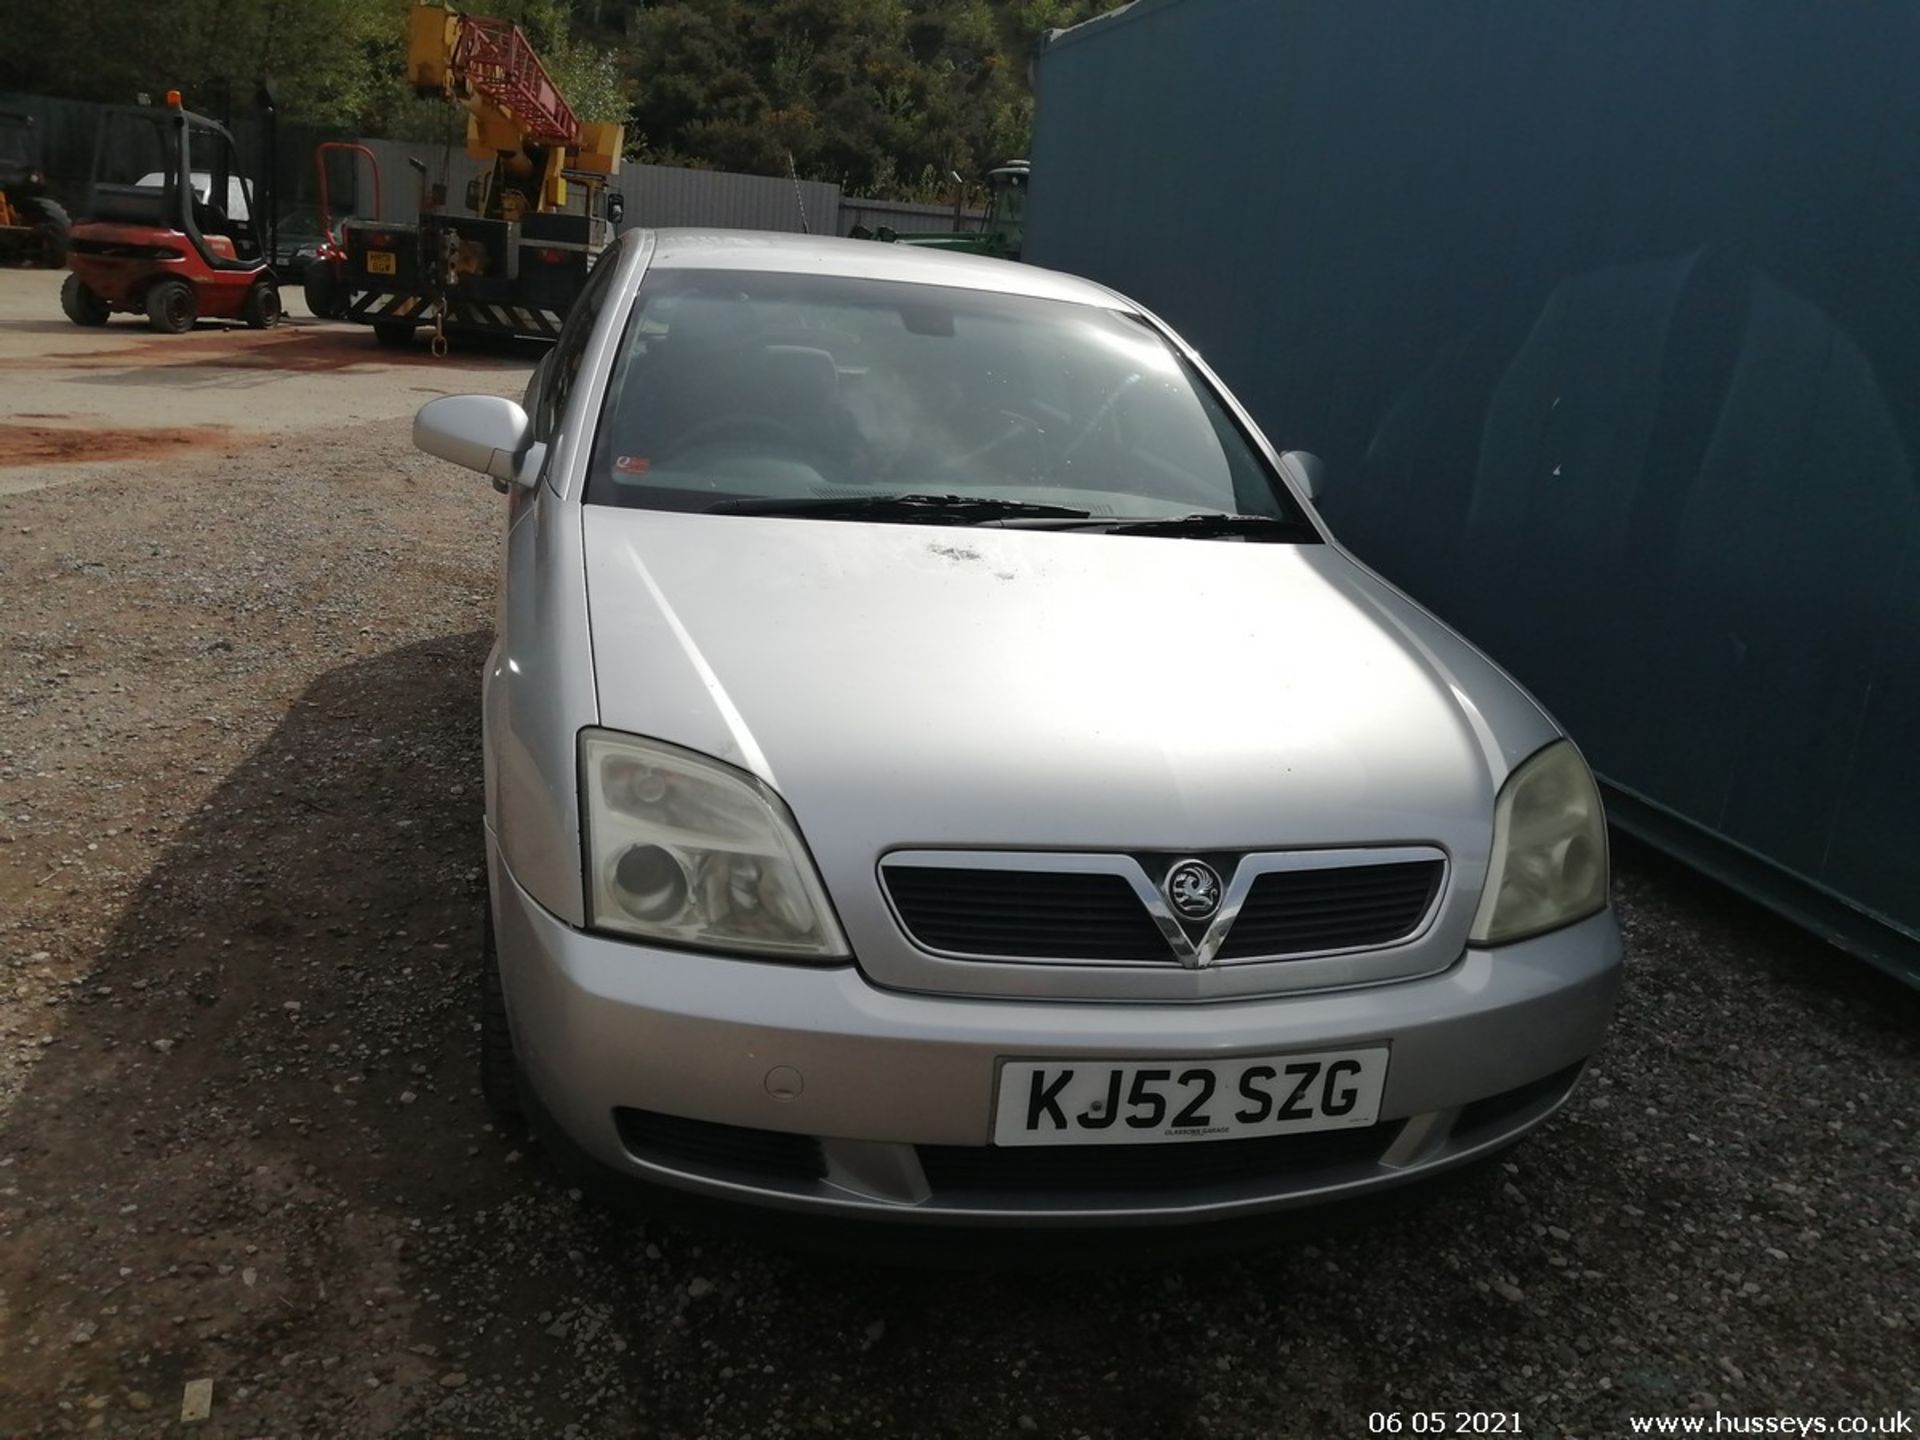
(632, 464)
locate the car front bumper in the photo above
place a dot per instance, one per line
(808, 1088)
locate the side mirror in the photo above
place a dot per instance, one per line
(1305, 469)
(616, 208)
(488, 433)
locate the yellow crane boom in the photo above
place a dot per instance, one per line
(516, 115)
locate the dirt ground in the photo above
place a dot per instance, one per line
(86, 399)
(241, 1140)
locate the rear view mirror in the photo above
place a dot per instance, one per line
(488, 433)
(1305, 469)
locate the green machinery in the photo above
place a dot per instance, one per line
(1005, 226)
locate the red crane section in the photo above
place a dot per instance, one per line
(494, 60)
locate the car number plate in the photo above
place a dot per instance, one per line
(1136, 1102)
(381, 262)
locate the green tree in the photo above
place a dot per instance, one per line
(586, 72)
(884, 97)
(319, 52)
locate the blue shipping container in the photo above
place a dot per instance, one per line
(1606, 318)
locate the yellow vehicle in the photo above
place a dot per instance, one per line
(33, 226)
(539, 217)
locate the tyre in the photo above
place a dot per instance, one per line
(322, 290)
(394, 334)
(81, 305)
(499, 1071)
(171, 307)
(51, 223)
(261, 308)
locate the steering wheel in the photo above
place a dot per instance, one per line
(1085, 432)
(709, 430)
(1022, 427)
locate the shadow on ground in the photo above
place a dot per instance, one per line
(273, 1051)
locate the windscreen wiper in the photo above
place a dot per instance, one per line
(935, 509)
(1208, 526)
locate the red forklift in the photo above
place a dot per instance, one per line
(170, 229)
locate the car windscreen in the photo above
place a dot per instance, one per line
(735, 386)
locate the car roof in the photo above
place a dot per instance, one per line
(689, 249)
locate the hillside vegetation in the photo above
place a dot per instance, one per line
(881, 96)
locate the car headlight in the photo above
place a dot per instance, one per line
(1549, 865)
(689, 851)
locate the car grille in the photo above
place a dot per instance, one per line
(1038, 913)
(1098, 916)
(1150, 1167)
(1296, 912)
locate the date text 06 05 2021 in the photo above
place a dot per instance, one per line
(1444, 1422)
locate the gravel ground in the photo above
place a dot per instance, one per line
(240, 1140)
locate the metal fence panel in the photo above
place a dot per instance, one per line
(66, 132)
(69, 129)
(656, 195)
(662, 195)
(447, 165)
(1606, 318)
(905, 217)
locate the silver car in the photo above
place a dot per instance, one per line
(940, 768)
